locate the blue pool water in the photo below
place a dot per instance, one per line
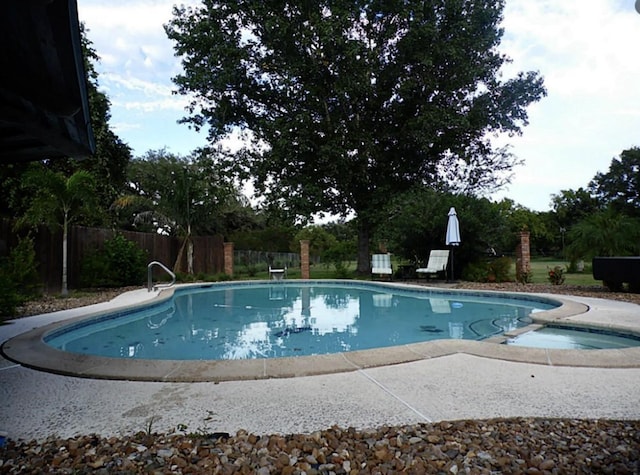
(238, 321)
(574, 339)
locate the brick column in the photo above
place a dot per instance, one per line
(523, 256)
(304, 259)
(228, 258)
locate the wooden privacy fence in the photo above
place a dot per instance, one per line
(208, 253)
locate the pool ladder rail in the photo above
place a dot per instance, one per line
(150, 286)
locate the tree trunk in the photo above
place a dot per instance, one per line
(65, 227)
(364, 260)
(186, 242)
(176, 264)
(190, 257)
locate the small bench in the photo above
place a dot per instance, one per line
(616, 271)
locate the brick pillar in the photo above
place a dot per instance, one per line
(304, 259)
(523, 256)
(228, 258)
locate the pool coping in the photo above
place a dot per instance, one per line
(29, 349)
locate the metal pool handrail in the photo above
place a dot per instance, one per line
(150, 285)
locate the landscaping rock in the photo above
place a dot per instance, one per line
(518, 445)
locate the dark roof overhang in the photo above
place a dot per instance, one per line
(44, 107)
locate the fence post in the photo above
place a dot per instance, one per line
(304, 259)
(228, 258)
(523, 256)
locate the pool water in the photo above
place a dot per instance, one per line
(573, 338)
(220, 322)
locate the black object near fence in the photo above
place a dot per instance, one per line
(617, 271)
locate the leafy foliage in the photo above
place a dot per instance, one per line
(119, 263)
(489, 270)
(58, 201)
(319, 240)
(620, 186)
(176, 196)
(572, 206)
(19, 279)
(55, 200)
(416, 223)
(345, 104)
(605, 233)
(339, 254)
(272, 238)
(556, 275)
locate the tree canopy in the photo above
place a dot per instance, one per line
(346, 103)
(180, 196)
(620, 186)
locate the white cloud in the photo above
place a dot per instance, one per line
(585, 52)
(122, 127)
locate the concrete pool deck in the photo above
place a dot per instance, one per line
(445, 381)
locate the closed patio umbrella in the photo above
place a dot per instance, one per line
(453, 234)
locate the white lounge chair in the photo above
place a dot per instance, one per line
(438, 260)
(381, 264)
(277, 274)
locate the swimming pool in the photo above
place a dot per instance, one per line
(265, 320)
(560, 337)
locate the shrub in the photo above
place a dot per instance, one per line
(556, 275)
(494, 270)
(525, 277)
(339, 254)
(9, 297)
(120, 263)
(500, 270)
(19, 279)
(475, 272)
(185, 278)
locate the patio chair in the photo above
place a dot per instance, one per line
(381, 264)
(438, 260)
(277, 274)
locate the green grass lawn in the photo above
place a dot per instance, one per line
(540, 269)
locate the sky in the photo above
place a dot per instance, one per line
(587, 52)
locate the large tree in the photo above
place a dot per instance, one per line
(620, 186)
(347, 103)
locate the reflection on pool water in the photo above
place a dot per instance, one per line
(238, 321)
(573, 338)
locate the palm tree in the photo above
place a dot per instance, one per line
(604, 233)
(175, 196)
(57, 201)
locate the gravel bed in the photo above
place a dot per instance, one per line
(495, 446)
